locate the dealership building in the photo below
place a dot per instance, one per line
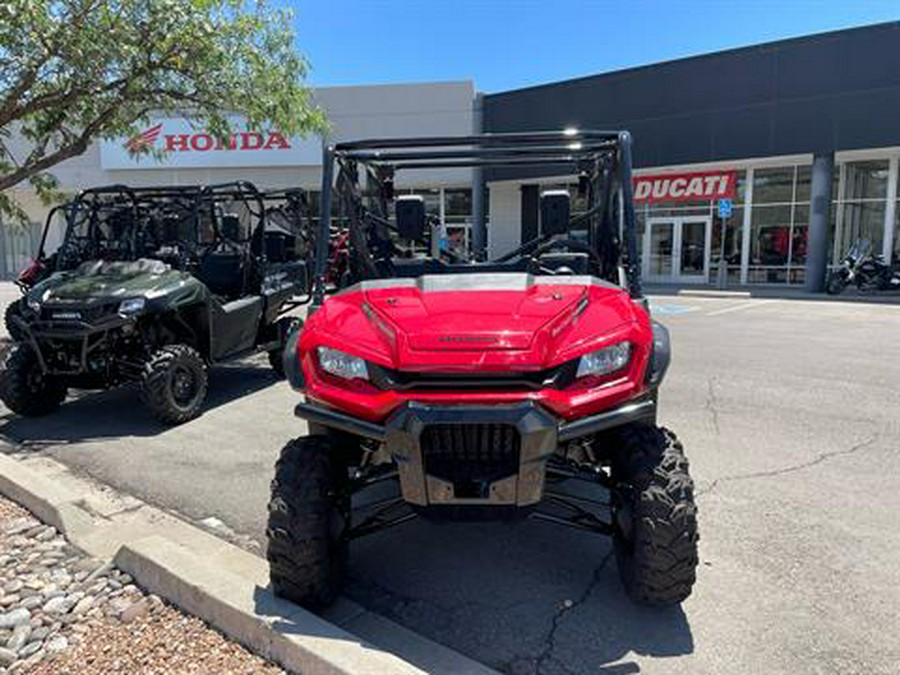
(800, 138)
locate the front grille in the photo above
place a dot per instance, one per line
(557, 377)
(74, 312)
(471, 456)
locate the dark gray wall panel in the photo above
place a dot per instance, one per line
(835, 91)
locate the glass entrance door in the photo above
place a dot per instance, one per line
(677, 249)
(659, 249)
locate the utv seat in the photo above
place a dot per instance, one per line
(223, 269)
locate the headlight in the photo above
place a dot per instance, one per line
(342, 365)
(605, 361)
(131, 306)
(34, 305)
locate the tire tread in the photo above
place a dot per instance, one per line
(306, 564)
(660, 568)
(14, 389)
(154, 384)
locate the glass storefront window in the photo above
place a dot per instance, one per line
(865, 180)
(804, 180)
(733, 241)
(860, 207)
(773, 186)
(799, 235)
(458, 202)
(432, 199)
(770, 231)
(779, 225)
(895, 258)
(770, 242)
(862, 220)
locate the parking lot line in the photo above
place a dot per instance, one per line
(739, 307)
(670, 310)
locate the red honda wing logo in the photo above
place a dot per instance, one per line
(144, 140)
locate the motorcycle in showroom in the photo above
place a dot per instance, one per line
(869, 272)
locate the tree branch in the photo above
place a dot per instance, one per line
(77, 146)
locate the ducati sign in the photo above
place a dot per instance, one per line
(184, 146)
(686, 187)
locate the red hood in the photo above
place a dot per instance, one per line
(467, 321)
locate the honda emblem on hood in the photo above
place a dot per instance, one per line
(467, 338)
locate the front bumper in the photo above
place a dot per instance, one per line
(409, 436)
(83, 338)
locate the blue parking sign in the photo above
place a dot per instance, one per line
(725, 208)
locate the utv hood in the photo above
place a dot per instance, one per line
(476, 320)
(99, 281)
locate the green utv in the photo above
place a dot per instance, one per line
(152, 286)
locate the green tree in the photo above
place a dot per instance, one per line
(72, 71)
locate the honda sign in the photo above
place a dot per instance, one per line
(184, 146)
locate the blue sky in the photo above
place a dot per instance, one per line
(503, 44)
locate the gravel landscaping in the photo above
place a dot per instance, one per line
(63, 612)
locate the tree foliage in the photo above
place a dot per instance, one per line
(72, 71)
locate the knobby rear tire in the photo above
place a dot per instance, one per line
(24, 388)
(13, 309)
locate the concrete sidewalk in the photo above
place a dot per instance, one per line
(773, 292)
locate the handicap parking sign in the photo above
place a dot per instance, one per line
(725, 208)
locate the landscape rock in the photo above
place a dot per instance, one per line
(83, 605)
(63, 612)
(59, 604)
(57, 644)
(13, 586)
(19, 637)
(14, 618)
(135, 610)
(30, 649)
(7, 657)
(32, 602)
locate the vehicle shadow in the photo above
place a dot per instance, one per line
(116, 413)
(524, 597)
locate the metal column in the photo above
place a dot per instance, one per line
(479, 228)
(819, 219)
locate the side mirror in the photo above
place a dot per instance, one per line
(410, 210)
(555, 208)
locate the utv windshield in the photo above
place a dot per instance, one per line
(99, 268)
(391, 233)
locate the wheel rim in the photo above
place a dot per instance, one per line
(184, 386)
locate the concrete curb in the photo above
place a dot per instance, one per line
(710, 293)
(218, 582)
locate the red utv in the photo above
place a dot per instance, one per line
(482, 388)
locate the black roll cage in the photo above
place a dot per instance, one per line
(90, 204)
(601, 160)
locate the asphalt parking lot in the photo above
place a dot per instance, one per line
(789, 413)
